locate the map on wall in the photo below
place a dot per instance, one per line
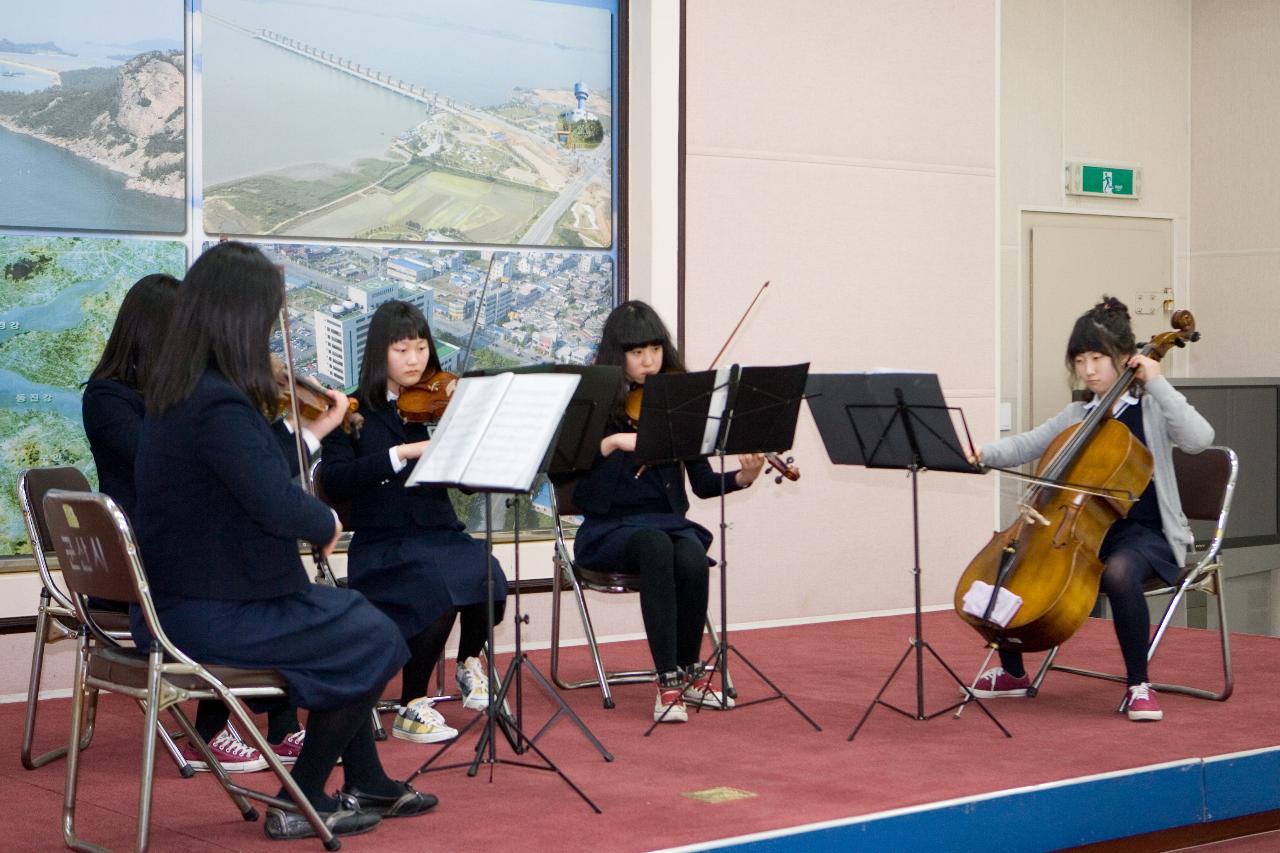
(58, 301)
(93, 115)
(476, 121)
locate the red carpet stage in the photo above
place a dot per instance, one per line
(1074, 772)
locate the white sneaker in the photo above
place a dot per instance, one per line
(701, 692)
(670, 698)
(420, 722)
(474, 684)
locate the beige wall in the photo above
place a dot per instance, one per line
(846, 152)
(1084, 79)
(1235, 184)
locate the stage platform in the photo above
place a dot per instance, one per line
(760, 778)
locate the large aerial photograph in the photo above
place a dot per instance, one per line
(58, 301)
(93, 115)
(484, 121)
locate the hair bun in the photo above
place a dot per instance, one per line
(1110, 303)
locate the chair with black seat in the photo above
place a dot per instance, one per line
(56, 619)
(569, 575)
(99, 558)
(1206, 483)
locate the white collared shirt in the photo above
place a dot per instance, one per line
(1125, 401)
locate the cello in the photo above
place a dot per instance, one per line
(1089, 477)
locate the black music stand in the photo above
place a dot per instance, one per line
(901, 421)
(731, 411)
(595, 391)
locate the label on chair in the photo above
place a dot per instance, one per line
(979, 595)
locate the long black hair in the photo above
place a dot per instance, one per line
(138, 332)
(393, 321)
(227, 304)
(635, 324)
(1105, 328)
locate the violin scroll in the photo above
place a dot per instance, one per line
(782, 467)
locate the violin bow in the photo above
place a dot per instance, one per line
(324, 572)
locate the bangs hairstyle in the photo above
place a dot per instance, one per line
(394, 321)
(1105, 328)
(635, 324)
(226, 307)
(138, 332)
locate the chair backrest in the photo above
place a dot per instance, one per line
(342, 508)
(95, 548)
(33, 485)
(1206, 483)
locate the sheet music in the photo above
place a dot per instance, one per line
(518, 435)
(495, 431)
(715, 411)
(458, 435)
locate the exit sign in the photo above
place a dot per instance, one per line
(1099, 179)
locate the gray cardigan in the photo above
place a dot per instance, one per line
(1167, 419)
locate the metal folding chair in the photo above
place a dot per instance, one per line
(1206, 483)
(56, 619)
(570, 576)
(99, 557)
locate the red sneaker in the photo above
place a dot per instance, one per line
(287, 750)
(1143, 705)
(234, 755)
(995, 683)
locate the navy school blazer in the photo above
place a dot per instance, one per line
(112, 415)
(358, 470)
(593, 492)
(218, 514)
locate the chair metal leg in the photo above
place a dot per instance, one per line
(247, 811)
(73, 750)
(45, 624)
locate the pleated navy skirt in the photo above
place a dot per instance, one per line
(601, 542)
(1146, 544)
(416, 578)
(331, 645)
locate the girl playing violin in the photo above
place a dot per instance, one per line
(218, 522)
(634, 519)
(112, 412)
(1153, 538)
(410, 555)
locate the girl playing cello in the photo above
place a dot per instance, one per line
(1153, 538)
(634, 519)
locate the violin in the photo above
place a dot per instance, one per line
(425, 401)
(313, 401)
(1089, 477)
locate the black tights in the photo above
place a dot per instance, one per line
(212, 715)
(1122, 584)
(426, 647)
(673, 595)
(341, 732)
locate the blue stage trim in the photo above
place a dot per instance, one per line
(1053, 816)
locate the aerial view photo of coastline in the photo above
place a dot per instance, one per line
(93, 116)
(58, 301)
(450, 121)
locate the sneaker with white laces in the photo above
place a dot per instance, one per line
(233, 754)
(473, 681)
(995, 683)
(288, 749)
(421, 723)
(1142, 704)
(701, 692)
(672, 698)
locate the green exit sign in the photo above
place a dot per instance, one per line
(1112, 180)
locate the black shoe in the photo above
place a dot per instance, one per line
(284, 826)
(406, 804)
